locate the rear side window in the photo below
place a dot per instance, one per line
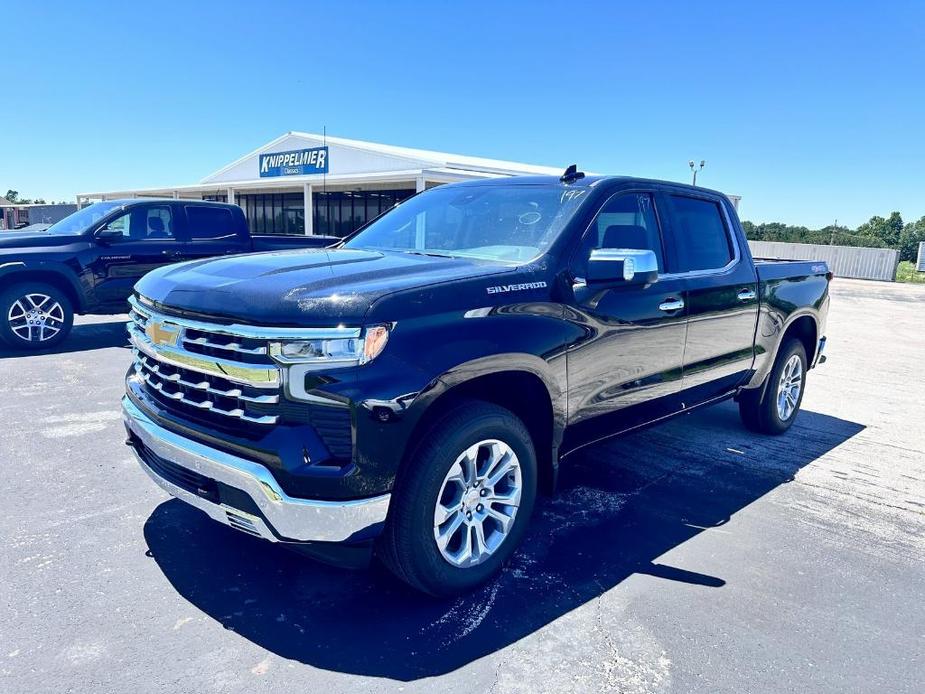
(209, 222)
(701, 237)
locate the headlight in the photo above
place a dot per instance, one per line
(330, 352)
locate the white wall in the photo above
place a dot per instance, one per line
(844, 261)
(341, 160)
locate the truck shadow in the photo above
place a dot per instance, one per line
(83, 337)
(621, 505)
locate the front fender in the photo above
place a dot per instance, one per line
(427, 358)
(30, 270)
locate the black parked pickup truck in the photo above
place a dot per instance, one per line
(408, 392)
(89, 261)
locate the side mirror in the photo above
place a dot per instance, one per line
(621, 266)
(107, 235)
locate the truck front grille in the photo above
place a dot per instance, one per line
(224, 377)
(205, 371)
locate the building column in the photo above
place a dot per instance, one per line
(230, 194)
(176, 195)
(419, 240)
(309, 210)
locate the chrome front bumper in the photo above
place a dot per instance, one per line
(292, 519)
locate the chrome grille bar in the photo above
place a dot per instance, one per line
(155, 369)
(230, 346)
(257, 375)
(177, 395)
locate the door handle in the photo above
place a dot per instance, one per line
(671, 305)
(747, 295)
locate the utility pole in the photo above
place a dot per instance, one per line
(832, 239)
(694, 171)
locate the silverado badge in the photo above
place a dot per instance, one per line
(162, 334)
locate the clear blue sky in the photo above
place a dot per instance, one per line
(810, 111)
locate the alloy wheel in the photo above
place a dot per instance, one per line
(789, 387)
(477, 503)
(36, 317)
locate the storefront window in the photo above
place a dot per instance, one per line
(334, 214)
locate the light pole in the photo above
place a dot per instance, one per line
(694, 170)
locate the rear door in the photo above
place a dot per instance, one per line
(212, 230)
(633, 347)
(721, 289)
(148, 241)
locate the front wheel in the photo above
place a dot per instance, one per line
(462, 502)
(772, 409)
(34, 316)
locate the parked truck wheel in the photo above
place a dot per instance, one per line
(462, 503)
(772, 409)
(34, 316)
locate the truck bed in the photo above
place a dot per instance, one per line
(778, 269)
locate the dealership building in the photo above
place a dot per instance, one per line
(342, 182)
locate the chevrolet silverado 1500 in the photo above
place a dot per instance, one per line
(408, 392)
(89, 261)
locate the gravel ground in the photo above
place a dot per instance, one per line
(689, 557)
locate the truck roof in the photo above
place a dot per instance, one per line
(588, 181)
(137, 201)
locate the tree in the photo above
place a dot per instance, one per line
(887, 230)
(912, 235)
(12, 195)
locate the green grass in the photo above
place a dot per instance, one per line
(906, 273)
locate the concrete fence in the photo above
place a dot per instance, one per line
(844, 261)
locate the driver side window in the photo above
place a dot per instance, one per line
(143, 223)
(627, 220)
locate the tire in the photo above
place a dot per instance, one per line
(48, 309)
(409, 546)
(760, 408)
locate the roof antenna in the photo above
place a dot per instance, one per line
(572, 174)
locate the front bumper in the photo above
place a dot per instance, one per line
(242, 493)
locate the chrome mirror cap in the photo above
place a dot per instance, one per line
(619, 265)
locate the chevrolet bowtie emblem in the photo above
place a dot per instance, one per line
(162, 334)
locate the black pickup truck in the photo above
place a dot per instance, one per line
(408, 392)
(89, 261)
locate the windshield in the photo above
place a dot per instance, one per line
(514, 223)
(82, 220)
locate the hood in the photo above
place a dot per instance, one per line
(302, 288)
(35, 239)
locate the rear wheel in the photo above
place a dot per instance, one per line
(462, 503)
(34, 316)
(772, 409)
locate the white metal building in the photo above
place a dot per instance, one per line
(343, 182)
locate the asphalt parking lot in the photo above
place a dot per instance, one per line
(690, 557)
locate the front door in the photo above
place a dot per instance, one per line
(627, 367)
(147, 242)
